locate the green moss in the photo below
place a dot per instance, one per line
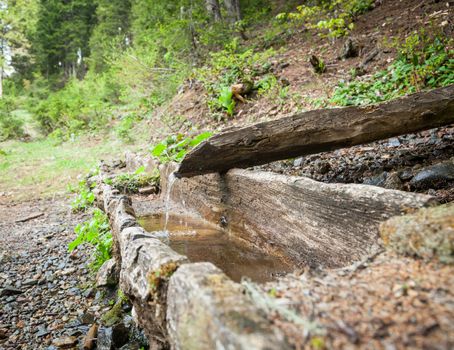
(156, 278)
(427, 234)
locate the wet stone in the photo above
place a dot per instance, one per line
(435, 176)
(9, 290)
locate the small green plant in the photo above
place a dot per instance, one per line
(84, 198)
(175, 147)
(266, 83)
(132, 182)
(226, 100)
(423, 62)
(96, 233)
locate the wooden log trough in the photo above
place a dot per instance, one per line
(304, 222)
(296, 219)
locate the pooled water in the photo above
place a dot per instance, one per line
(202, 241)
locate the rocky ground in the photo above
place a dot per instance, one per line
(421, 162)
(388, 302)
(48, 298)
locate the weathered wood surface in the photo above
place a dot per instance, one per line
(319, 131)
(206, 310)
(174, 299)
(303, 221)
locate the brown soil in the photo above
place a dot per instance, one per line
(389, 303)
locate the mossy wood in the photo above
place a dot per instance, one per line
(319, 131)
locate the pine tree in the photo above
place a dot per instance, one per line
(62, 36)
(111, 33)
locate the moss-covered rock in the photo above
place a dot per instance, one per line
(428, 233)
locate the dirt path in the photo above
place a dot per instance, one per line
(45, 292)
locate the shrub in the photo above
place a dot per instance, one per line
(232, 66)
(84, 198)
(333, 19)
(422, 63)
(80, 105)
(10, 126)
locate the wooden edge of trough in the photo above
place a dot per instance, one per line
(175, 301)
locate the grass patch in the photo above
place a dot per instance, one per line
(42, 169)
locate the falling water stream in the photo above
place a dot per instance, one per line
(170, 183)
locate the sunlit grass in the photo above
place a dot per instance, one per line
(41, 169)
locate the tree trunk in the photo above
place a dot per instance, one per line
(319, 131)
(214, 10)
(233, 10)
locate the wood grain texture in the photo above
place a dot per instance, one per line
(319, 131)
(301, 220)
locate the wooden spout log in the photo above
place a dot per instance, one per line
(319, 131)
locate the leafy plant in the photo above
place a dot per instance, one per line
(422, 63)
(266, 83)
(96, 233)
(131, 183)
(84, 198)
(332, 19)
(175, 147)
(233, 65)
(226, 100)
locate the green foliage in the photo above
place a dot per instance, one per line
(333, 19)
(132, 182)
(96, 233)
(62, 34)
(226, 101)
(111, 32)
(175, 147)
(230, 66)
(266, 83)
(84, 198)
(422, 63)
(124, 127)
(11, 127)
(80, 105)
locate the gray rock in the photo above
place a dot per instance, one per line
(30, 282)
(434, 176)
(107, 275)
(105, 341)
(87, 318)
(298, 161)
(378, 180)
(394, 142)
(406, 175)
(393, 182)
(10, 290)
